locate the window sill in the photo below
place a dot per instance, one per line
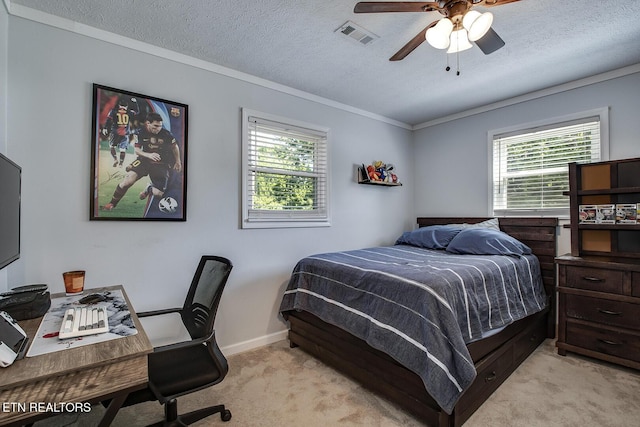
(284, 224)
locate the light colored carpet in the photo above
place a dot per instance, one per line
(276, 385)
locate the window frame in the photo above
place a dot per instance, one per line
(602, 113)
(282, 218)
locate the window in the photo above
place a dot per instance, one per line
(285, 172)
(530, 172)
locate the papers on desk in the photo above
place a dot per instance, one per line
(46, 339)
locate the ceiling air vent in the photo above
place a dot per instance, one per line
(357, 33)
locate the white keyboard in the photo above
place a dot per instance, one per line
(81, 321)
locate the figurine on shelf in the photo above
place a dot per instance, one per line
(391, 177)
(373, 173)
(379, 171)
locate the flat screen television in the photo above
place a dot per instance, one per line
(10, 187)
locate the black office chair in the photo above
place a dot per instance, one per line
(185, 367)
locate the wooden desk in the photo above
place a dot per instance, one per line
(92, 373)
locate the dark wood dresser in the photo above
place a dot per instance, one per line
(599, 282)
(599, 308)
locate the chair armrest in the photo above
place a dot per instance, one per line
(183, 344)
(158, 312)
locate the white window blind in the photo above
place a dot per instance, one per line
(285, 174)
(530, 172)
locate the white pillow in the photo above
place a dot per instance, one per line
(490, 223)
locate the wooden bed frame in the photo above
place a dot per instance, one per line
(495, 357)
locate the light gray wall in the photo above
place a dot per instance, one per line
(4, 44)
(452, 158)
(50, 76)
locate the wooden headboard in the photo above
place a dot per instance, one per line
(540, 234)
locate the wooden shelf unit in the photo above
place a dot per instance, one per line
(599, 282)
(613, 182)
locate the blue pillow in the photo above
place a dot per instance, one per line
(486, 241)
(432, 237)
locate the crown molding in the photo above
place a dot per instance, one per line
(106, 36)
(88, 31)
(598, 78)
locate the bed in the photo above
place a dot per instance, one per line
(459, 347)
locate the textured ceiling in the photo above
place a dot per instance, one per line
(294, 43)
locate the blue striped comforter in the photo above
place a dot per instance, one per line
(419, 306)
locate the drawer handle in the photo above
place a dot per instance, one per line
(610, 313)
(592, 279)
(609, 342)
(492, 376)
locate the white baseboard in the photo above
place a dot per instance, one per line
(168, 329)
(254, 343)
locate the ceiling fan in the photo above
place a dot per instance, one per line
(460, 26)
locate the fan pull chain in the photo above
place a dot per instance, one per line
(448, 68)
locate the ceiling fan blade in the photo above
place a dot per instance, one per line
(413, 43)
(491, 3)
(395, 6)
(490, 42)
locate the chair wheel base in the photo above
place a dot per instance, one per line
(172, 418)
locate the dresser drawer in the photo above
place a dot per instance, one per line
(609, 312)
(492, 371)
(528, 341)
(594, 279)
(619, 344)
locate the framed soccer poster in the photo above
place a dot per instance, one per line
(138, 157)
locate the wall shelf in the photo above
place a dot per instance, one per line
(363, 178)
(384, 184)
(609, 226)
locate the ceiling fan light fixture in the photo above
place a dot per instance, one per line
(459, 41)
(477, 24)
(438, 35)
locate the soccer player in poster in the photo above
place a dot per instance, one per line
(157, 154)
(120, 128)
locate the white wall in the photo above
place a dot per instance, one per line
(49, 83)
(451, 160)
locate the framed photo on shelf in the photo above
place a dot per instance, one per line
(138, 157)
